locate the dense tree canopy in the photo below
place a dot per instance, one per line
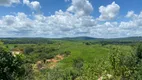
(10, 67)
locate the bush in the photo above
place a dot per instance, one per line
(78, 63)
(93, 71)
(87, 43)
(10, 67)
(139, 51)
(67, 53)
(29, 73)
(123, 66)
(28, 50)
(63, 74)
(46, 56)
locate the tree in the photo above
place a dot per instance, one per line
(10, 67)
(28, 50)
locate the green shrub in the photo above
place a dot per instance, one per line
(123, 65)
(28, 50)
(139, 51)
(10, 67)
(78, 63)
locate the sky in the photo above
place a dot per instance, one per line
(70, 18)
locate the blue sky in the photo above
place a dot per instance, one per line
(70, 18)
(50, 6)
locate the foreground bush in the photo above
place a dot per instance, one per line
(10, 67)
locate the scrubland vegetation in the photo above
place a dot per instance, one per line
(47, 59)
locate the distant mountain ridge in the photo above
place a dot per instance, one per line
(79, 38)
(139, 38)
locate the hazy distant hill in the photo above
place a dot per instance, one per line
(103, 39)
(129, 39)
(79, 38)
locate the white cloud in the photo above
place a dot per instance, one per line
(65, 24)
(18, 25)
(67, 0)
(135, 22)
(81, 7)
(35, 5)
(62, 24)
(8, 2)
(131, 14)
(109, 12)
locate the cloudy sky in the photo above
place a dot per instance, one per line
(70, 18)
